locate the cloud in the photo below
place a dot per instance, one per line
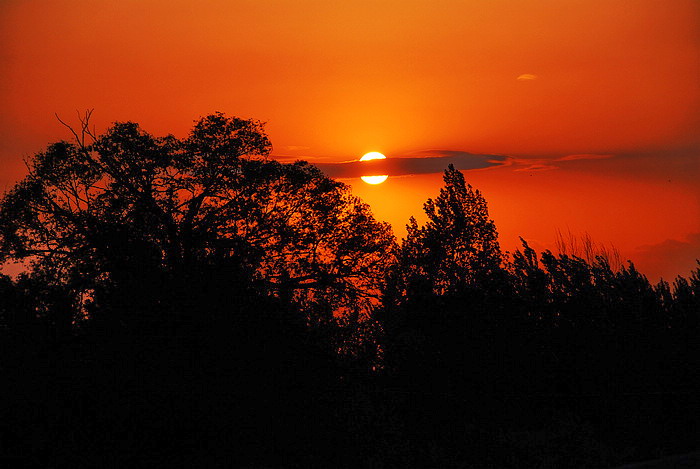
(527, 76)
(679, 165)
(669, 258)
(421, 162)
(435, 161)
(539, 166)
(548, 164)
(584, 156)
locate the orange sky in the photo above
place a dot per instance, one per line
(337, 79)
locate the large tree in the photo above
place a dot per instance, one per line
(157, 219)
(442, 297)
(456, 251)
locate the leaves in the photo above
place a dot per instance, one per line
(130, 210)
(457, 249)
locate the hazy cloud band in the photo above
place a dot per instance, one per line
(421, 163)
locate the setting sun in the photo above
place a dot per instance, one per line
(199, 236)
(374, 155)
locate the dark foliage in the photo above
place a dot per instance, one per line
(192, 303)
(527, 360)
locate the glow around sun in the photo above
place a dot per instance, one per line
(374, 155)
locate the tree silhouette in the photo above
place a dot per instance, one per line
(182, 272)
(189, 300)
(456, 253)
(443, 296)
(129, 218)
(576, 336)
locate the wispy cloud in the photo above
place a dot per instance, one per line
(421, 162)
(435, 161)
(527, 76)
(548, 164)
(584, 156)
(534, 165)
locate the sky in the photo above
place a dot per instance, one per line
(570, 115)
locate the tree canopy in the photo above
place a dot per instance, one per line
(129, 212)
(456, 251)
(191, 300)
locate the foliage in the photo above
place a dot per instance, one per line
(136, 218)
(192, 302)
(456, 252)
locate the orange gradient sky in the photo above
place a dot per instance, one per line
(592, 106)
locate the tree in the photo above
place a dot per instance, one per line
(149, 223)
(443, 295)
(457, 250)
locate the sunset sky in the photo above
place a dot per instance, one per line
(578, 115)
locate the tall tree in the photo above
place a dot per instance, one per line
(152, 221)
(443, 297)
(457, 250)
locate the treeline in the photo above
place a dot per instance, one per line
(190, 302)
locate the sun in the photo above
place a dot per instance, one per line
(374, 155)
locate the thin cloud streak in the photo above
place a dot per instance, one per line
(436, 161)
(584, 156)
(424, 162)
(547, 164)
